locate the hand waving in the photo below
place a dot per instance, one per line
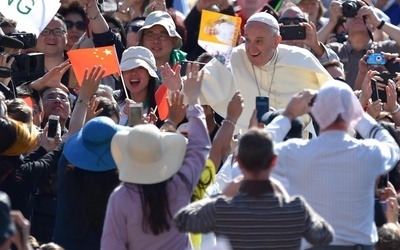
(192, 83)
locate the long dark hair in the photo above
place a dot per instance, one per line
(155, 205)
(89, 192)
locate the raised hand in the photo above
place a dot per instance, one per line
(91, 82)
(176, 108)
(52, 79)
(171, 77)
(92, 110)
(391, 95)
(299, 104)
(235, 107)
(192, 83)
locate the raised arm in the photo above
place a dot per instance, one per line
(223, 138)
(89, 87)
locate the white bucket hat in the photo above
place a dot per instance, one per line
(138, 56)
(164, 19)
(145, 155)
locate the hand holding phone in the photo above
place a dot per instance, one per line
(135, 114)
(293, 32)
(375, 93)
(53, 126)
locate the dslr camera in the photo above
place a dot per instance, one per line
(28, 39)
(350, 8)
(26, 67)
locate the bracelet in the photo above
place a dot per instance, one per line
(170, 122)
(83, 102)
(381, 25)
(229, 121)
(95, 17)
(396, 110)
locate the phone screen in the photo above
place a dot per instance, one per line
(262, 106)
(53, 126)
(293, 32)
(135, 114)
(375, 93)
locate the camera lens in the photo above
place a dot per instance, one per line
(378, 59)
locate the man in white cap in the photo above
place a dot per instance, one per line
(261, 67)
(335, 172)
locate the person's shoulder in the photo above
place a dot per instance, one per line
(336, 46)
(296, 200)
(292, 50)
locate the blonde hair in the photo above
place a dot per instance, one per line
(27, 138)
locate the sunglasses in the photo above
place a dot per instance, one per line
(78, 25)
(135, 28)
(289, 20)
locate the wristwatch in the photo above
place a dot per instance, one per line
(123, 11)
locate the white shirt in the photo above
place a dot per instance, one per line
(336, 174)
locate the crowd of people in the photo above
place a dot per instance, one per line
(318, 168)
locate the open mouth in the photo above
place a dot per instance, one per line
(134, 82)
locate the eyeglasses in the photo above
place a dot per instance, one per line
(152, 36)
(135, 28)
(78, 25)
(289, 20)
(56, 32)
(54, 97)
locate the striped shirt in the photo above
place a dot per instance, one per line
(259, 217)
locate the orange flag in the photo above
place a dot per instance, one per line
(82, 59)
(161, 99)
(28, 101)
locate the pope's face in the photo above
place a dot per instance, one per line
(261, 42)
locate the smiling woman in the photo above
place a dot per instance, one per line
(74, 16)
(138, 68)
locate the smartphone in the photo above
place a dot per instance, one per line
(135, 114)
(392, 67)
(293, 32)
(54, 120)
(262, 106)
(376, 59)
(385, 76)
(375, 93)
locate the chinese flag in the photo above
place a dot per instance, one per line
(161, 99)
(82, 59)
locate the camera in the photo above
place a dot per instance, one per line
(350, 8)
(27, 67)
(28, 39)
(376, 59)
(341, 38)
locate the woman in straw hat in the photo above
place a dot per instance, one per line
(159, 171)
